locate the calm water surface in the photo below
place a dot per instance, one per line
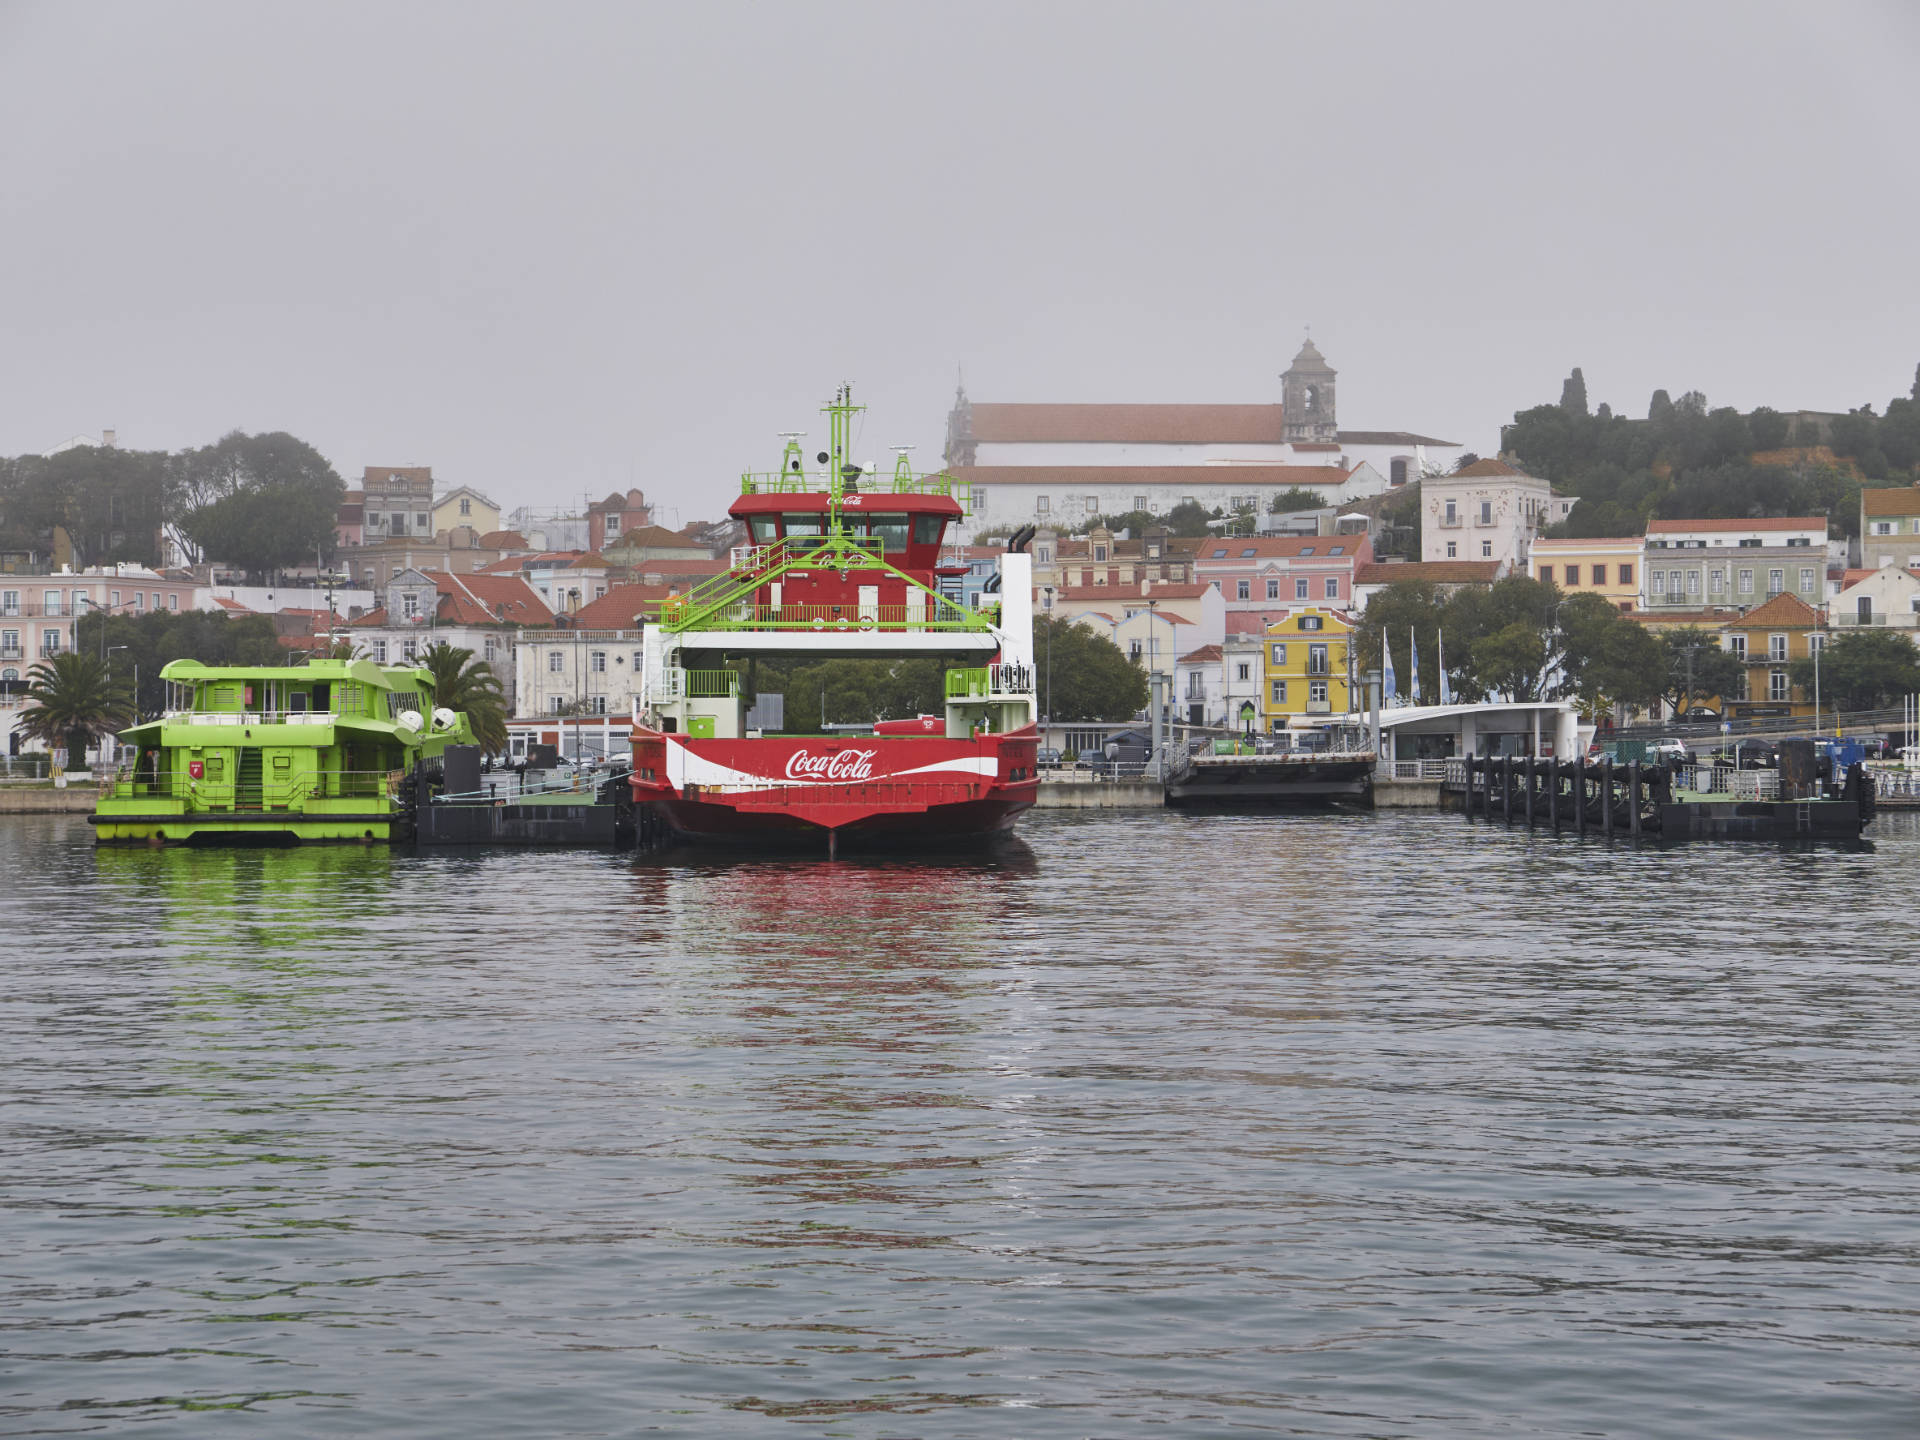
(1323, 1126)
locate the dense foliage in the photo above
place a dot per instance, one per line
(1521, 638)
(1083, 675)
(1862, 670)
(1688, 460)
(147, 642)
(257, 502)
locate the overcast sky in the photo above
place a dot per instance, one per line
(557, 249)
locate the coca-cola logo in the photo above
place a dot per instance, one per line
(841, 765)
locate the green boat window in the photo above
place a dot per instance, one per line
(804, 524)
(761, 527)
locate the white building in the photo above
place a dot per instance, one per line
(1886, 597)
(1486, 511)
(1058, 464)
(491, 615)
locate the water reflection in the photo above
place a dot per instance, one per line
(1176, 1124)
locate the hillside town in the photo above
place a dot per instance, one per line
(1241, 551)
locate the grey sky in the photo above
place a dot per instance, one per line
(554, 249)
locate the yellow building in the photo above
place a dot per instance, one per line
(1306, 665)
(464, 505)
(1769, 638)
(1607, 566)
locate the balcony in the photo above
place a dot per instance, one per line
(1449, 522)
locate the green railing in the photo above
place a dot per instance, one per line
(967, 684)
(785, 483)
(707, 684)
(852, 619)
(726, 602)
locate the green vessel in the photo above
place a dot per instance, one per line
(266, 755)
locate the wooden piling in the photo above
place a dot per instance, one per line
(1532, 772)
(1633, 798)
(1606, 797)
(1580, 796)
(1506, 789)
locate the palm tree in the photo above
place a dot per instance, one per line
(470, 687)
(74, 698)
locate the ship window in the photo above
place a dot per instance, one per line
(927, 528)
(803, 524)
(890, 531)
(761, 527)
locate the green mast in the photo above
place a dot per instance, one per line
(840, 467)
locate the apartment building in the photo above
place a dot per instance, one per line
(1696, 564)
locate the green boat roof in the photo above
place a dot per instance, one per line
(386, 677)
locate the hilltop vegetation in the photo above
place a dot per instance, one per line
(1687, 460)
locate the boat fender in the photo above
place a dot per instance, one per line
(409, 721)
(444, 719)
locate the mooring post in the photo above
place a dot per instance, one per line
(1633, 798)
(1467, 809)
(1553, 793)
(1529, 784)
(1506, 789)
(1580, 796)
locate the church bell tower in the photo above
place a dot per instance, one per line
(1306, 399)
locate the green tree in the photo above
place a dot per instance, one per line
(1511, 660)
(469, 687)
(1296, 497)
(1082, 675)
(142, 644)
(1862, 670)
(74, 700)
(260, 502)
(1573, 394)
(1768, 428)
(1398, 617)
(1661, 409)
(109, 503)
(1697, 667)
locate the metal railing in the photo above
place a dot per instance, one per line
(211, 793)
(938, 613)
(979, 682)
(1442, 770)
(703, 684)
(1734, 784)
(777, 482)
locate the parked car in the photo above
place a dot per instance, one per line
(1046, 758)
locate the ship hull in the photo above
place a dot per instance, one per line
(785, 791)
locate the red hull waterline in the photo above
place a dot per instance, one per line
(784, 791)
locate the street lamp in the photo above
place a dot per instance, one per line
(1047, 591)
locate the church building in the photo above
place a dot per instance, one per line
(1058, 466)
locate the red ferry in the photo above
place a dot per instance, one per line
(840, 564)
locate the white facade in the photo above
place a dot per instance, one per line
(1487, 512)
(1887, 597)
(1068, 500)
(348, 600)
(597, 672)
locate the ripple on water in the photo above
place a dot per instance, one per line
(1340, 1126)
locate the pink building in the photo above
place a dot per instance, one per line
(40, 614)
(1262, 577)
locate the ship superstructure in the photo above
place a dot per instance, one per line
(839, 563)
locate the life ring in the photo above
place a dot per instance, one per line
(867, 622)
(819, 624)
(841, 623)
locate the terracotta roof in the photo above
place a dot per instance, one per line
(1270, 547)
(1439, 572)
(620, 607)
(1482, 469)
(1545, 544)
(654, 535)
(1202, 656)
(1155, 425)
(231, 606)
(1783, 610)
(1904, 501)
(373, 619)
(545, 559)
(488, 600)
(1850, 578)
(1764, 522)
(504, 540)
(1118, 477)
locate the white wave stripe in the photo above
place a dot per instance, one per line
(684, 767)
